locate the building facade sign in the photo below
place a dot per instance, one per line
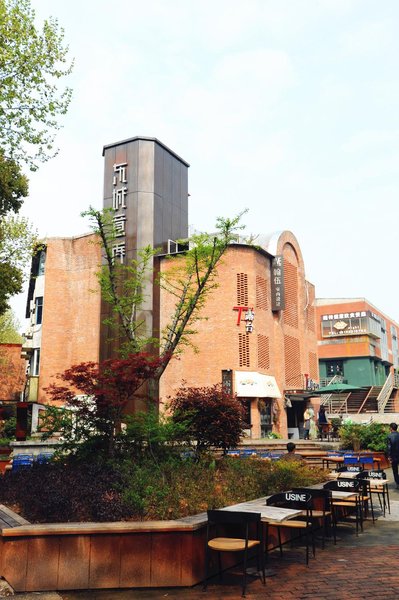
(277, 284)
(249, 317)
(251, 384)
(119, 194)
(341, 324)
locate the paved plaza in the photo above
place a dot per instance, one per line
(357, 567)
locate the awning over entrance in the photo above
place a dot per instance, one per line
(251, 384)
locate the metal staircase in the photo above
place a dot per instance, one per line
(385, 393)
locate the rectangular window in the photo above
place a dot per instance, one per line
(42, 260)
(38, 310)
(335, 367)
(35, 362)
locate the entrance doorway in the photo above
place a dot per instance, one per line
(295, 415)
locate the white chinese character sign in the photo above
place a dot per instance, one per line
(119, 193)
(277, 283)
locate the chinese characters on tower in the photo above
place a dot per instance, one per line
(119, 194)
(277, 280)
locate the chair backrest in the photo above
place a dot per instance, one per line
(350, 469)
(377, 474)
(317, 494)
(344, 485)
(298, 500)
(366, 460)
(44, 457)
(350, 460)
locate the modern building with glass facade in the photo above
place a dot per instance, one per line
(356, 341)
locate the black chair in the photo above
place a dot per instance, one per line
(353, 486)
(322, 510)
(246, 524)
(377, 486)
(350, 469)
(367, 497)
(299, 501)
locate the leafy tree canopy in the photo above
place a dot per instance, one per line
(13, 186)
(31, 63)
(17, 240)
(9, 329)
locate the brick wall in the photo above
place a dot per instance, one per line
(284, 347)
(71, 310)
(12, 372)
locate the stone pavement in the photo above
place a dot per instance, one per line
(357, 567)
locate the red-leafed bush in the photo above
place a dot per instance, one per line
(96, 395)
(213, 417)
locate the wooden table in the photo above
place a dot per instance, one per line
(268, 514)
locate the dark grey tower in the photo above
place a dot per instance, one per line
(146, 185)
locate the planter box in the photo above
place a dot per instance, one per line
(79, 556)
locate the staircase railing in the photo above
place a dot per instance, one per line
(328, 381)
(385, 393)
(325, 399)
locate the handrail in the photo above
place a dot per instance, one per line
(385, 393)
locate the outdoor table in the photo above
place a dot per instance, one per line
(340, 459)
(268, 513)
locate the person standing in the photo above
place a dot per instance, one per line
(322, 422)
(393, 451)
(307, 421)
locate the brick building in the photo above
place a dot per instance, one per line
(259, 335)
(269, 365)
(63, 306)
(12, 373)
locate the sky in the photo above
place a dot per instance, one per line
(289, 108)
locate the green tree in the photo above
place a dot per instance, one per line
(13, 186)
(32, 62)
(189, 278)
(17, 240)
(9, 329)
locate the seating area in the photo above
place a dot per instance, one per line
(345, 500)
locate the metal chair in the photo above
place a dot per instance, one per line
(356, 488)
(322, 510)
(21, 462)
(299, 501)
(350, 468)
(366, 494)
(377, 486)
(243, 521)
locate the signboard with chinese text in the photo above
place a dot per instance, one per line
(277, 283)
(342, 324)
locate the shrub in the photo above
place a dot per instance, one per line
(146, 491)
(59, 492)
(370, 437)
(213, 418)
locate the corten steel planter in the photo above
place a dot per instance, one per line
(79, 556)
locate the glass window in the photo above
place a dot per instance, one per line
(42, 260)
(334, 367)
(38, 310)
(35, 362)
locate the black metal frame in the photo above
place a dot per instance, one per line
(219, 519)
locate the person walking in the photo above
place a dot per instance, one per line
(393, 451)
